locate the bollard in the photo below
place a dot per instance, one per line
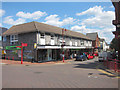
(118, 67)
(8, 58)
(107, 63)
(112, 65)
(5, 57)
(13, 58)
(104, 61)
(63, 58)
(115, 66)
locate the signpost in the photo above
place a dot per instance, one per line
(21, 47)
(63, 43)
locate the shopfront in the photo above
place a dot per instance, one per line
(48, 54)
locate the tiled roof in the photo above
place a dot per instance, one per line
(92, 36)
(36, 26)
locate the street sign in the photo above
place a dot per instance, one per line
(19, 46)
(24, 44)
(12, 48)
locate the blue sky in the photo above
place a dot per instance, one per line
(84, 17)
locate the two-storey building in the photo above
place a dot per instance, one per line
(44, 41)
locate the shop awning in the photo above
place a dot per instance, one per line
(59, 47)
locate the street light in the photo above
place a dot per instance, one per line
(118, 26)
(63, 44)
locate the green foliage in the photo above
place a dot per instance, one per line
(114, 44)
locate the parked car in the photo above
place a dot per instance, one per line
(102, 56)
(90, 56)
(95, 54)
(81, 58)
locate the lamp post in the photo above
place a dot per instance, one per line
(116, 22)
(63, 44)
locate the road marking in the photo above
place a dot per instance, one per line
(118, 77)
(108, 73)
(105, 72)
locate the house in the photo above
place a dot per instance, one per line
(44, 42)
(103, 45)
(95, 40)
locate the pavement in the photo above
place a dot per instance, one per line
(13, 62)
(71, 74)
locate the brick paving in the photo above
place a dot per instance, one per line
(29, 63)
(72, 75)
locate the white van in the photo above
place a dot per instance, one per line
(103, 56)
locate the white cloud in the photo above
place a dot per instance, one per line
(92, 11)
(78, 28)
(2, 12)
(35, 15)
(55, 20)
(99, 20)
(105, 33)
(11, 21)
(83, 29)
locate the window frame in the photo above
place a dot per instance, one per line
(13, 39)
(42, 35)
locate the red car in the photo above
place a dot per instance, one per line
(90, 56)
(95, 54)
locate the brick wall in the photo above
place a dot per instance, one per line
(29, 52)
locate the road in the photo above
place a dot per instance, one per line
(69, 75)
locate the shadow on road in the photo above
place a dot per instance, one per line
(90, 65)
(94, 65)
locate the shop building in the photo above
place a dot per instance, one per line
(43, 42)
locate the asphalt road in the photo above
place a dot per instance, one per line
(69, 75)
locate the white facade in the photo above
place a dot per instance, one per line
(104, 45)
(71, 42)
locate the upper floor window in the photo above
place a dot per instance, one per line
(13, 39)
(52, 37)
(42, 35)
(82, 42)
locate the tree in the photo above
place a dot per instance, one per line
(114, 44)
